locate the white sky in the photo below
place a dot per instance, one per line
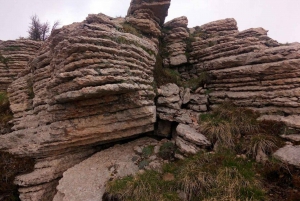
(280, 17)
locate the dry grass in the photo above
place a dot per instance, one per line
(261, 143)
(237, 128)
(204, 176)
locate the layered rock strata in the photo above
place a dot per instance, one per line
(90, 84)
(14, 56)
(179, 105)
(247, 68)
(175, 42)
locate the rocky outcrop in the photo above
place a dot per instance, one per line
(148, 16)
(174, 42)
(87, 180)
(91, 83)
(188, 140)
(179, 105)
(14, 56)
(247, 68)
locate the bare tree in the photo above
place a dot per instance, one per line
(40, 31)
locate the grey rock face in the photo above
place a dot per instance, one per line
(190, 134)
(289, 154)
(86, 181)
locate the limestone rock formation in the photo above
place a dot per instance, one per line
(87, 180)
(171, 100)
(191, 135)
(289, 154)
(14, 56)
(89, 84)
(174, 42)
(148, 16)
(247, 68)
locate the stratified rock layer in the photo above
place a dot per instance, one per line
(247, 68)
(14, 56)
(90, 84)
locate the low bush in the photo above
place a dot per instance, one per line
(10, 166)
(238, 128)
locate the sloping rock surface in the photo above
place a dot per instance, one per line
(87, 180)
(190, 134)
(289, 154)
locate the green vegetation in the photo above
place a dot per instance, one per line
(163, 75)
(30, 88)
(205, 176)
(123, 40)
(10, 166)
(5, 112)
(228, 173)
(166, 151)
(147, 151)
(237, 128)
(128, 28)
(4, 60)
(199, 33)
(12, 48)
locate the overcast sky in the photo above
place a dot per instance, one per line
(280, 17)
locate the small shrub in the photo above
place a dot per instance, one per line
(30, 88)
(163, 75)
(212, 43)
(200, 33)
(166, 151)
(261, 143)
(128, 28)
(4, 60)
(147, 151)
(142, 164)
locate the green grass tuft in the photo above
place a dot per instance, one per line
(219, 176)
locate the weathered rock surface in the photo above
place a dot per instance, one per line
(148, 16)
(14, 56)
(289, 154)
(247, 68)
(185, 146)
(89, 84)
(174, 42)
(190, 134)
(87, 180)
(170, 104)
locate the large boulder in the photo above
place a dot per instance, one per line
(87, 180)
(289, 154)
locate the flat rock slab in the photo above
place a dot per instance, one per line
(87, 180)
(293, 137)
(186, 147)
(289, 154)
(190, 134)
